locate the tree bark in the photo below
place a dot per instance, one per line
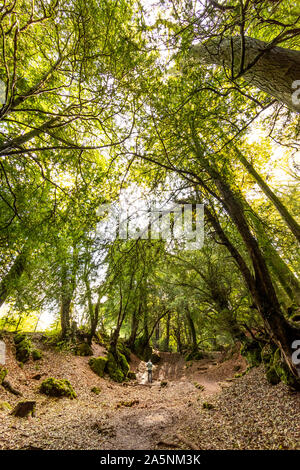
(167, 338)
(134, 328)
(192, 329)
(270, 68)
(15, 272)
(264, 293)
(262, 290)
(65, 303)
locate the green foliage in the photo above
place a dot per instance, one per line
(181, 130)
(96, 390)
(57, 388)
(19, 337)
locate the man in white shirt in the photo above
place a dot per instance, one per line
(149, 367)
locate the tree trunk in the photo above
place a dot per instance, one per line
(264, 293)
(279, 268)
(94, 322)
(134, 328)
(287, 217)
(68, 285)
(260, 286)
(192, 329)
(65, 303)
(272, 69)
(167, 338)
(157, 335)
(65, 315)
(8, 282)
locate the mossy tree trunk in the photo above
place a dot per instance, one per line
(260, 285)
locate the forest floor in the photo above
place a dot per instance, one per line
(246, 412)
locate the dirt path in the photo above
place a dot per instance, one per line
(155, 421)
(246, 413)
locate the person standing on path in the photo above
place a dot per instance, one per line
(149, 367)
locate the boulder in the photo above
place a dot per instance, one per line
(57, 388)
(98, 365)
(24, 408)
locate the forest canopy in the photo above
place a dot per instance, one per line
(185, 102)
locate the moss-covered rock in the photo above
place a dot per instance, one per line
(267, 354)
(23, 350)
(3, 374)
(83, 349)
(123, 363)
(251, 350)
(4, 406)
(114, 368)
(36, 355)
(123, 349)
(98, 365)
(57, 388)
